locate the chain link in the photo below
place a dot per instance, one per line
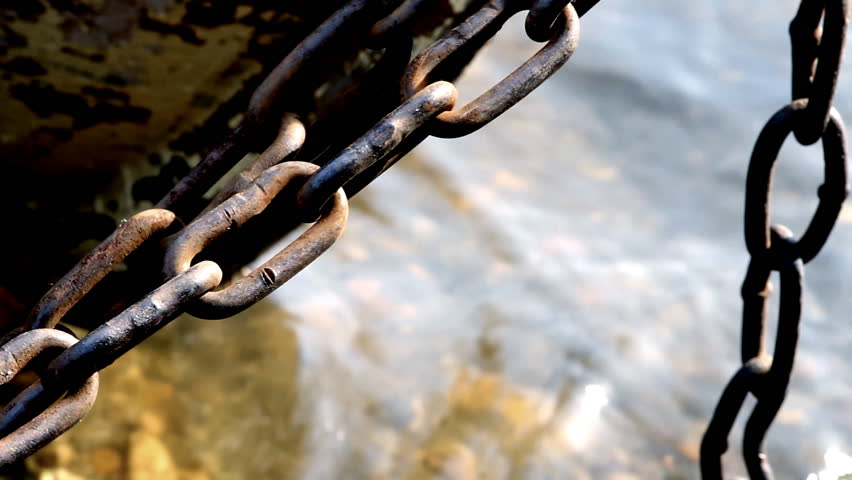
(67, 387)
(317, 193)
(488, 106)
(817, 53)
(71, 288)
(541, 17)
(236, 211)
(337, 32)
(773, 247)
(15, 355)
(376, 144)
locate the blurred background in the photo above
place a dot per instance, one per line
(555, 296)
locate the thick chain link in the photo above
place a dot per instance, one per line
(67, 387)
(816, 61)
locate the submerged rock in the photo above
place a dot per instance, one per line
(149, 458)
(106, 461)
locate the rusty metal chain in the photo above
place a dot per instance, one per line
(816, 60)
(68, 384)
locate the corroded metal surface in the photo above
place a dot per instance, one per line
(817, 44)
(290, 138)
(236, 211)
(376, 144)
(19, 439)
(479, 27)
(38, 415)
(128, 237)
(832, 193)
(773, 247)
(188, 287)
(108, 104)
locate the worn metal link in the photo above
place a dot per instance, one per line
(759, 181)
(772, 247)
(817, 53)
(541, 17)
(766, 377)
(375, 144)
(67, 387)
(336, 32)
(21, 439)
(236, 211)
(398, 21)
(290, 138)
(501, 97)
(72, 287)
(105, 344)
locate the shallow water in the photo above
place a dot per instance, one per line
(555, 296)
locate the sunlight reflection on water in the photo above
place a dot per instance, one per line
(838, 466)
(584, 416)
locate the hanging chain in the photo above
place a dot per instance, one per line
(817, 53)
(67, 386)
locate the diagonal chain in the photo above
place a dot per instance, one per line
(67, 386)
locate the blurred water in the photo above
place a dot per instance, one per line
(555, 296)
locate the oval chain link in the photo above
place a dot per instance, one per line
(817, 53)
(499, 98)
(831, 194)
(68, 386)
(772, 247)
(235, 212)
(21, 437)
